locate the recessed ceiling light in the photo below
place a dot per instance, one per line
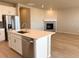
(30, 4)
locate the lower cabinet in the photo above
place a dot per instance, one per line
(15, 42)
(27, 47)
(2, 34)
(18, 46)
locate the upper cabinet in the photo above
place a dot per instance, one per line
(25, 17)
(7, 10)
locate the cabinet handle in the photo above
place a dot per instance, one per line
(31, 41)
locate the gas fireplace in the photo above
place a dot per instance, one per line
(49, 26)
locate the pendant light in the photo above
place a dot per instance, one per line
(43, 4)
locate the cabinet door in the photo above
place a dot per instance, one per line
(25, 17)
(2, 35)
(15, 42)
(18, 46)
(11, 41)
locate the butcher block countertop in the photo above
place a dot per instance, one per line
(32, 33)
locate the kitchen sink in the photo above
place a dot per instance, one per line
(22, 32)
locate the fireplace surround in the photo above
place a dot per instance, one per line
(50, 26)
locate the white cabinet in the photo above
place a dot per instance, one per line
(11, 41)
(31, 46)
(18, 46)
(15, 42)
(2, 34)
(7, 10)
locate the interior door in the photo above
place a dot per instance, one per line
(25, 17)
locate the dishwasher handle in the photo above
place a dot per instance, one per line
(30, 40)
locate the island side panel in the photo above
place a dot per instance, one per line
(49, 46)
(42, 47)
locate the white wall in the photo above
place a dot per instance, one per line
(68, 21)
(37, 17)
(7, 10)
(51, 15)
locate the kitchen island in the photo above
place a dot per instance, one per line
(31, 43)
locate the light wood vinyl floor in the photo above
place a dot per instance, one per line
(65, 46)
(6, 52)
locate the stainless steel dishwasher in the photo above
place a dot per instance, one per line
(28, 47)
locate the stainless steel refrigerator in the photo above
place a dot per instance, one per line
(10, 22)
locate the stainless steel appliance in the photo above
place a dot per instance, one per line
(28, 47)
(10, 22)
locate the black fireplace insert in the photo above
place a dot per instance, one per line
(49, 26)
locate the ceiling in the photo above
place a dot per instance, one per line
(48, 3)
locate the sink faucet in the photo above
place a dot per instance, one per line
(24, 25)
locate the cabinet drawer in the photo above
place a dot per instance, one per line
(16, 36)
